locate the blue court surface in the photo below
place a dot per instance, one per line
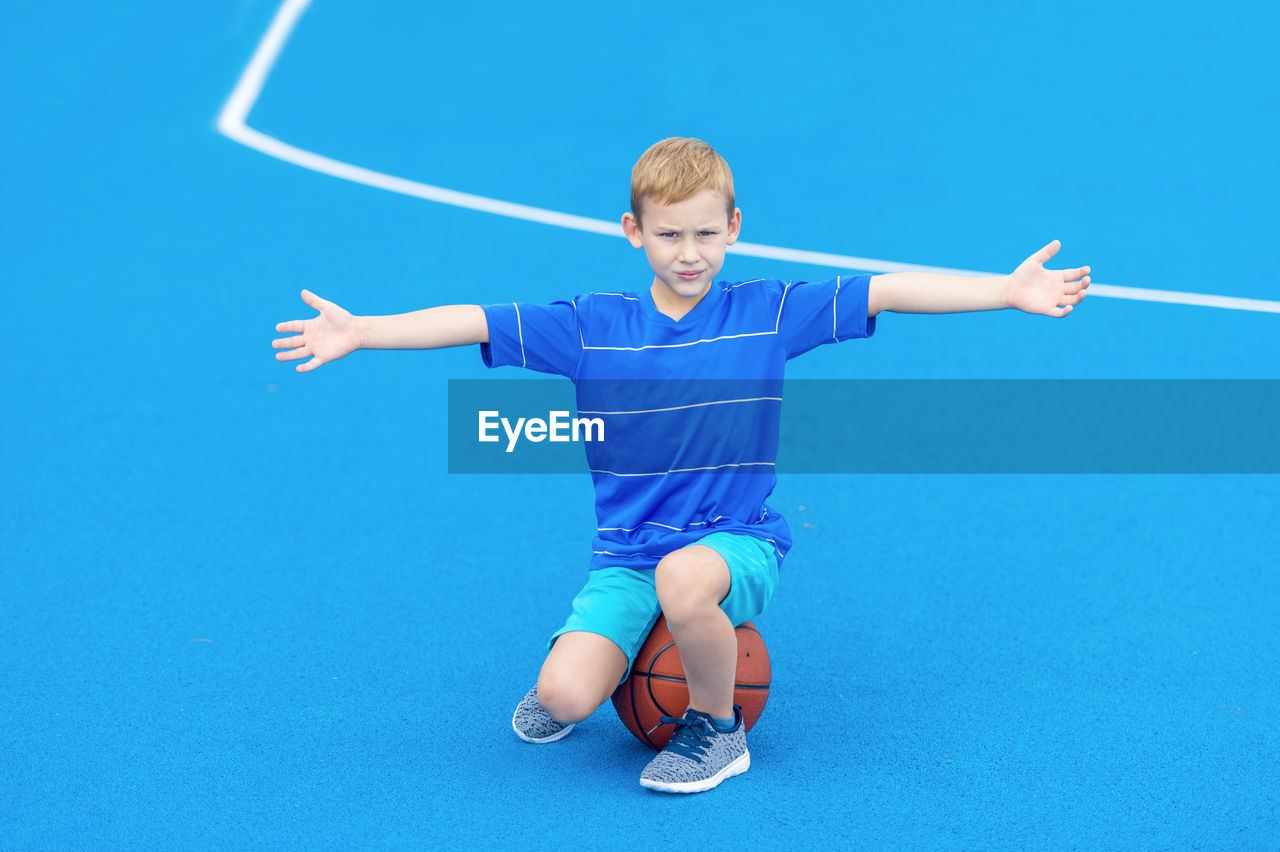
(242, 607)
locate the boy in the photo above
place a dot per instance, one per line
(688, 532)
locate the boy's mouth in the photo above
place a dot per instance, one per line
(689, 276)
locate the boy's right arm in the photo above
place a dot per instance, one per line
(335, 332)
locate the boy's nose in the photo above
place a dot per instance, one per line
(688, 250)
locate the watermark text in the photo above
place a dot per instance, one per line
(559, 427)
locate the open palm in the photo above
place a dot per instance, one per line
(324, 338)
(1052, 292)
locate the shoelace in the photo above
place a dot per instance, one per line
(691, 738)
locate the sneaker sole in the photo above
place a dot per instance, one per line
(558, 735)
(737, 766)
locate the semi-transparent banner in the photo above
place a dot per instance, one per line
(645, 428)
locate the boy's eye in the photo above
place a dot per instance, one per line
(707, 233)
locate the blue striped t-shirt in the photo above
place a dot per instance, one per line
(691, 407)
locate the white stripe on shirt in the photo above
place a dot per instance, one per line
(687, 469)
(781, 304)
(520, 331)
(693, 405)
(833, 310)
(680, 345)
(656, 524)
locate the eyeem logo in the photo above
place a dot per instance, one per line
(559, 427)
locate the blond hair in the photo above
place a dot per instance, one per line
(677, 168)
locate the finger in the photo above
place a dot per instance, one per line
(294, 326)
(288, 342)
(1062, 311)
(1075, 274)
(314, 301)
(310, 365)
(294, 354)
(1078, 287)
(1047, 252)
(1071, 297)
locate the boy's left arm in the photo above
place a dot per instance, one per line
(1030, 288)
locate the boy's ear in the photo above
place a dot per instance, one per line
(735, 226)
(631, 227)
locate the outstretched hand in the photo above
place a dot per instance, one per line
(1052, 292)
(324, 338)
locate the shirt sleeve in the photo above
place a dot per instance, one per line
(817, 312)
(539, 337)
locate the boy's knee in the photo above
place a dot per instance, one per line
(690, 581)
(565, 697)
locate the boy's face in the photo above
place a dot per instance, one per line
(685, 244)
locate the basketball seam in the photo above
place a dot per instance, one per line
(635, 711)
(649, 676)
(675, 679)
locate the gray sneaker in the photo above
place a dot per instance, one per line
(698, 757)
(535, 725)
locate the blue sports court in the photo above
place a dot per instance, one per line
(246, 608)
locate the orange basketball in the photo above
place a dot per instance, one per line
(657, 686)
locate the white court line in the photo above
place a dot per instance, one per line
(232, 124)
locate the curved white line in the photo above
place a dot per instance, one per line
(232, 123)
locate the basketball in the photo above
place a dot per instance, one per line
(657, 686)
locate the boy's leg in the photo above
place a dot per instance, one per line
(691, 583)
(735, 575)
(580, 673)
(590, 655)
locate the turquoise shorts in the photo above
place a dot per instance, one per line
(621, 604)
